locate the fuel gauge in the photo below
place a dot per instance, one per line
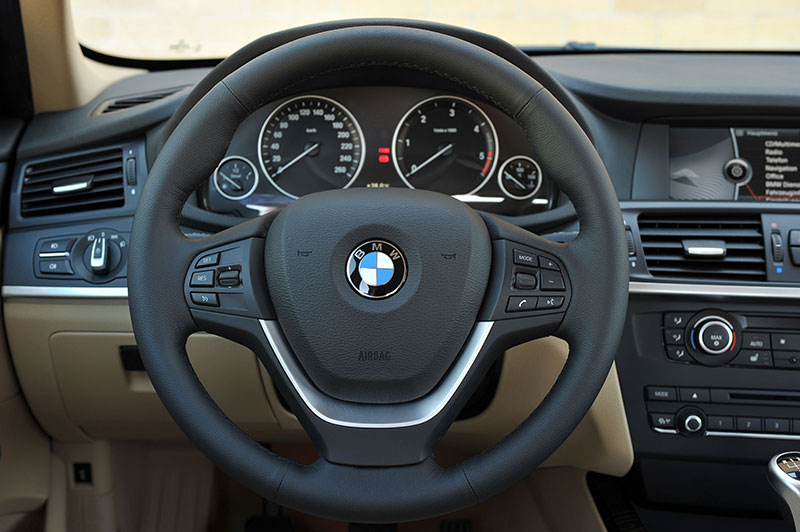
(235, 178)
(520, 177)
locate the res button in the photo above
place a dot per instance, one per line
(204, 279)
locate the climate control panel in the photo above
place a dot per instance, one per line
(718, 338)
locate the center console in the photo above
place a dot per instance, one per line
(710, 357)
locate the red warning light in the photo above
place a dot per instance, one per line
(383, 159)
(384, 150)
(384, 155)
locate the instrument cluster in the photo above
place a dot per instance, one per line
(378, 137)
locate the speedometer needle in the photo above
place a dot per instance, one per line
(290, 163)
(430, 160)
(512, 178)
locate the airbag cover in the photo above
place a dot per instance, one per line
(387, 350)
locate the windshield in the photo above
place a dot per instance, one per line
(188, 29)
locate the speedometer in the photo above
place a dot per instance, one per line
(309, 144)
(445, 144)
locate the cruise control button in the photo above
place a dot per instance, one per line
(661, 393)
(203, 279)
(521, 303)
(722, 423)
(755, 341)
(662, 421)
(677, 353)
(55, 267)
(57, 245)
(776, 426)
(552, 280)
(787, 359)
(525, 258)
(748, 424)
(525, 281)
(695, 395)
(547, 302)
(785, 342)
(229, 278)
(548, 264)
(673, 337)
(211, 259)
(206, 299)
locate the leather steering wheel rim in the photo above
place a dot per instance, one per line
(160, 256)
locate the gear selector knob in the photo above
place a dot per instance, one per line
(784, 477)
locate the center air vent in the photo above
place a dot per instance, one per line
(126, 102)
(79, 183)
(703, 247)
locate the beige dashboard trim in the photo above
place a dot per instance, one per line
(98, 292)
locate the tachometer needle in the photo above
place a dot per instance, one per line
(303, 154)
(512, 178)
(430, 160)
(235, 184)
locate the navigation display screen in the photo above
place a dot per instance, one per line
(745, 164)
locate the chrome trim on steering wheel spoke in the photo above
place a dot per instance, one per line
(357, 415)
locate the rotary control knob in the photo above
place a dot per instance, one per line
(100, 255)
(692, 423)
(715, 335)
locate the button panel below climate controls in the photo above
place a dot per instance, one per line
(724, 412)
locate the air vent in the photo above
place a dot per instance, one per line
(80, 183)
(703, 248)
(118, 104)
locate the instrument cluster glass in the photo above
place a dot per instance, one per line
(379, 137)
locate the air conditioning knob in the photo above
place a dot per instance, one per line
(715, 335)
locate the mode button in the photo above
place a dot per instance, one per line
(525, 258)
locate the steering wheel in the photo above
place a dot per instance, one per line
(377, 311)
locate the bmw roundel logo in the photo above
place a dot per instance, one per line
(376, 269)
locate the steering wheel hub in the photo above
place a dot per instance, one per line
(333, 258)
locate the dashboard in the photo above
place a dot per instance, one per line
(704, 162)
(378, 137)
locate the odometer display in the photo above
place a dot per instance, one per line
(309, 144)
(445, 144)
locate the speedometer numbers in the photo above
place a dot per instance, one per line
(445, 144)
(309, 144)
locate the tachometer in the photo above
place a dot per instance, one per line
(309, 144)
(445, 144)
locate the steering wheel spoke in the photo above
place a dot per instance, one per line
(226, 275)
